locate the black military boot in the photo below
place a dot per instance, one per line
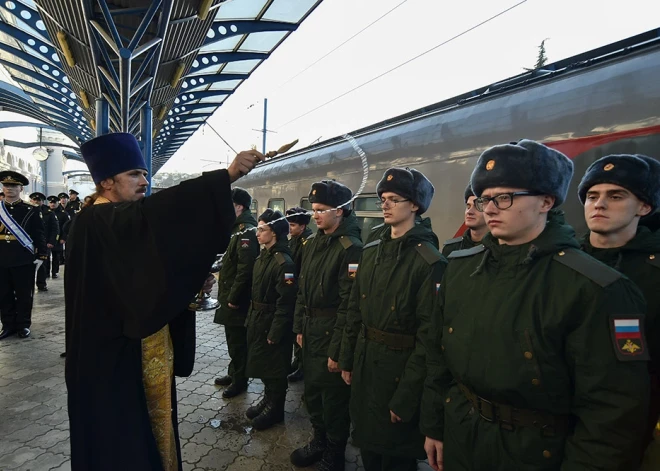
(235, 389)
(334, 458)
(254, 411)
(272, 414)
(223, 380)
(310, 453)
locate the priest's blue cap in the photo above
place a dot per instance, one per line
(112, 154)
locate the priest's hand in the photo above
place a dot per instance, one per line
(244, 163)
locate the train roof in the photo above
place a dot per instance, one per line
(594, 57)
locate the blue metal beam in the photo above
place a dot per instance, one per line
(144, 24)
(146, 132)
(215, 59)
(31, 17)
(46, 69)
(102, 117)
(163, 26)
(27, 145)
(191, 83)
(111, 23)
(226, 29)
(26, 124)
(184, 96)
(28, 40)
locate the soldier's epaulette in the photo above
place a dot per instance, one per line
(653, 260)
(467, 252)
(281, 259)
(371, 244)
(455, 240)
(311, 236)
(588, 266)
(346, 242)
(377, 227)
(428, 252)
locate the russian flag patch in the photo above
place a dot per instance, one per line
(352, 269)
(437, 287)
(288, 278)
(628, 337)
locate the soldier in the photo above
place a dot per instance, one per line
(388, 319)
(234, 292)
(270, 319)
(329, 264)
(476, 227)
(62, 218)
(299, 232)
(548, 368)
(52, 234)
(617, 192)
(64, 200)
(74, 205)
(22, 246)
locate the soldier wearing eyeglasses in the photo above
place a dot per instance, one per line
(382, 355)
(537, 358)
(475, 223)
(619, 193)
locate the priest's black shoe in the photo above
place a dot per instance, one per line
(296, 376)
(254, 411)
(310, 453)
(4, 333)
(24, 333)
(223, 381)
(272, 414)
(234, 389)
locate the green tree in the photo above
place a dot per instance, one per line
(542, 58)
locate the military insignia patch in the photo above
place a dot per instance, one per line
(352, 269)
(314, 192)
(245, 243)
(490, 165)
(390, 178)
(437, 288)
(629, 340)
(608, 167)
(288, 278)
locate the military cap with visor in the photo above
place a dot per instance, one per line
(9, 177)
(38, 196)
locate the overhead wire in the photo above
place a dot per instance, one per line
(503, 12)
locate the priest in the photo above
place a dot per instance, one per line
(132, 269)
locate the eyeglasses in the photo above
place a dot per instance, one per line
(501, 201)
(383, 203)
(261, 229)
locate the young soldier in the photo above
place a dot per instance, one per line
(52, 234)
(537, 373)
(299, 232)
(476, 227)
(617, 191)
(22, 245)
(388, 318)
(62, 218)
(270, 319)
(234, 292)
(328, 268)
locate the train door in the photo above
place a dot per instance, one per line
(367, 213)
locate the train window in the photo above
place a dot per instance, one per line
(254, 208)
(366, 203)
(367, 224)
(277, 204)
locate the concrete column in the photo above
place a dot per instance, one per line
(54, 181)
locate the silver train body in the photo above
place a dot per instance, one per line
(601, 102)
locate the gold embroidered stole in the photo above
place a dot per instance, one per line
(157, 377)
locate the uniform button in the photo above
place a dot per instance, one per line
(651, 257)
(450, 330)
(442, 347)
(536, 382)
(528, 355)
(562, 253)
(327, 333)
(396, 380)
(547, 454)
(448, 400)
(364, 296)
(419, 245)
(392, 308)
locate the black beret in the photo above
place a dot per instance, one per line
(299, 218)
(281, 227)
(637, 173)
(242, 197)
(53, 199)
(63, 195)
(408, 183)
(527, 164)
(331, 193)
(468, 193)
(38, 196)
(13, 178)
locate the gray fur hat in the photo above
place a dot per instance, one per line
(637, 173)
(408, 183)
(526, 164)
(331, 193)
(242, 197)
(280, 228)
(468, 193)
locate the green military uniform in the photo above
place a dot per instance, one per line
(388, 317)
(235, 287)
(270, 317)
(459, 243)
(377, 231)
(532, 330)
(325, 283)
(296, 244)
(639, 260)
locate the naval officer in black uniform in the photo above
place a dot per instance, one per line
(52, 234)
(62, 218)
(22, 244)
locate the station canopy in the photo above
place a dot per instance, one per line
(156, 68)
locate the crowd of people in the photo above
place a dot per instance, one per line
(519, 345)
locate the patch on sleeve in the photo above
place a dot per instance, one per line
(352, 269)
(437, 288)
(245, 243)
(288, 278)
(629, 339)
